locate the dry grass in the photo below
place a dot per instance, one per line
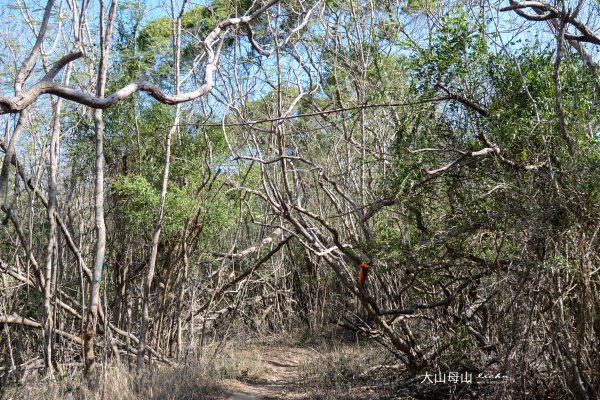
(238, 363)
(327, 370)
(345, 371)
(118, 383)
(202, 378)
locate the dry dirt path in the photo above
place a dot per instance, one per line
(280, 379)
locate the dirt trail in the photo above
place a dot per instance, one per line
(280, 380)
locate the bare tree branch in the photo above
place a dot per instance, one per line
(46, 86)
(546, 12)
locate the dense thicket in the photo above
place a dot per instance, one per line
(453, 147)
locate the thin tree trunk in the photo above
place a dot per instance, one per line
(182, 294)
(145, 322)
(22, 74)
(52, 247)
(92, 316)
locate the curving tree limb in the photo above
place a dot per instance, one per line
(46, 85)
(545, 12)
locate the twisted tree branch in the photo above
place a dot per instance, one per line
(47, 86)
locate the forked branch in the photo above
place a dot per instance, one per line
(545, 12)
(212, 46)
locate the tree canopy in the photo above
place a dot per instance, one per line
(177, 173)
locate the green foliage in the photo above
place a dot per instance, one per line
(155, 37)
(80, 147)
(421, 5)
(138, 201)
(455, 51)
(156, 34)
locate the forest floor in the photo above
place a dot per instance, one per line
(300, 370)
(279, 379)
(267, 369)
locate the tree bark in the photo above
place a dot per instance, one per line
(163, 196)
(100, 253)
